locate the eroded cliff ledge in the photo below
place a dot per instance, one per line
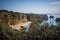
(11, 18)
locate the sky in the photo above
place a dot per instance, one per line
(31, 6)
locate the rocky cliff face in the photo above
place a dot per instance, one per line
(14, 18)
(37, 17)
(57, 19)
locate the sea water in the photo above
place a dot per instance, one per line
(51, 21)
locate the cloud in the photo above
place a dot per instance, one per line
(55, 7)
(56, 3)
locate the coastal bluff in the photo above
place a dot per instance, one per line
(11, 19)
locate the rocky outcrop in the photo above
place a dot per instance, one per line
(57, 19)
(37, 17)
(15, 18)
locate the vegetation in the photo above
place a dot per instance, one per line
(41, 33)
(36, 32)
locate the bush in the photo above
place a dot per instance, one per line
(40, 33)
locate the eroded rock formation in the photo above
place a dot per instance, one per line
(15, 18)
(57, 19)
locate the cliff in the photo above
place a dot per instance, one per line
(57, 19)
(15, 18)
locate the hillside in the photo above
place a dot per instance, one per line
(11, 19)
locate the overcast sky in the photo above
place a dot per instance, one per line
(31, 6)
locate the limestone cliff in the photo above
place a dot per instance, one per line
(15, 18)
(57, 19)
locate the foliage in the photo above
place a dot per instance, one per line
(41, 33)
